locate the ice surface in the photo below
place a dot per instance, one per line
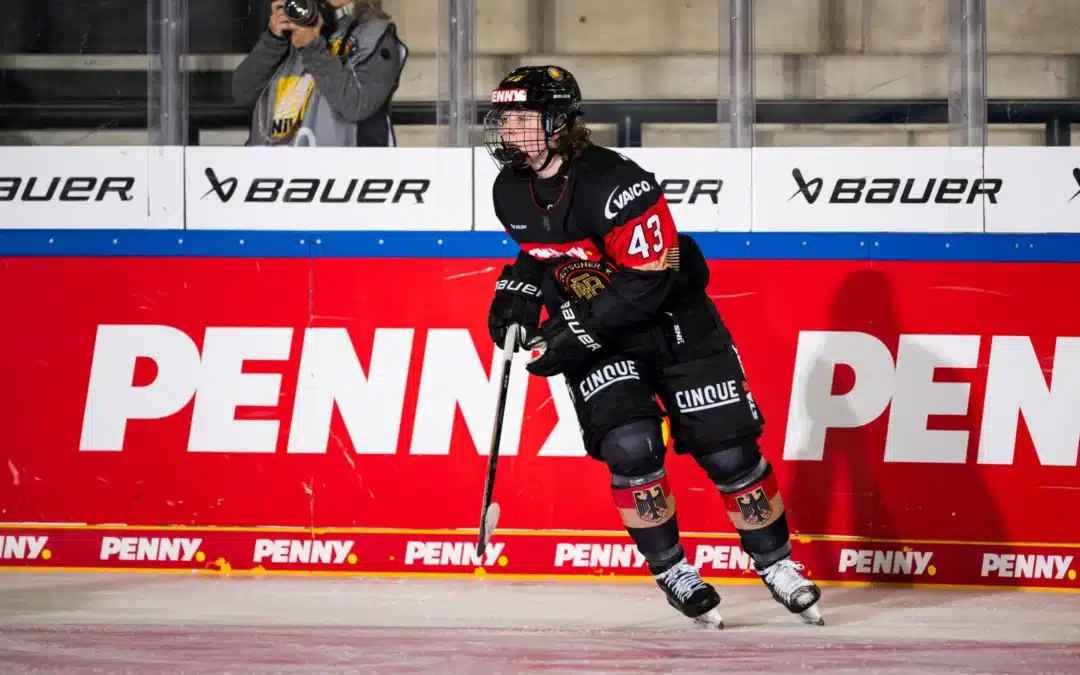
(140, 623)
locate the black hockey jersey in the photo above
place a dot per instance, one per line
(609, 239)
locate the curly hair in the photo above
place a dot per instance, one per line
(573, 140)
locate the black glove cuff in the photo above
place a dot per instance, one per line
(508, 284)
(576, 318)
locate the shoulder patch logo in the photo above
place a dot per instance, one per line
(620, 199)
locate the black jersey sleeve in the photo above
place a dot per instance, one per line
(639, 235)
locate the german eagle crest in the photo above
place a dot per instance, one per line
(754, 507)
(651, 504)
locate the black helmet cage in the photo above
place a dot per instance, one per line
(549, 90)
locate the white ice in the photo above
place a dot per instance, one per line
(140, 623)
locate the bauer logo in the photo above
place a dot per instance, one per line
(598, 555)
(519, 287)
(893, 190)
(299, 189)
(306, 551)
(721, 558)
(1032, 566)
(39, 189)
(904, 562)
(321, 190)
(686, 191)
(24, 548)
(450, 553)
(91, 188)
(152, 549)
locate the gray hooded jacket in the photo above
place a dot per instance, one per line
(335, 92)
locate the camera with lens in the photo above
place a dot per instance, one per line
(304, 12)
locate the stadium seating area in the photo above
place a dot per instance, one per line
(806, 50)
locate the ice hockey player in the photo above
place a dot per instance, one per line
(629, 320)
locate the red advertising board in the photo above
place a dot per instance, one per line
(922, 417)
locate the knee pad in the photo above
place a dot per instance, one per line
(734, 467)
(752, 499)
(748, 485)
(634, 450)
(634, 453)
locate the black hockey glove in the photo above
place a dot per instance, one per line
(565, 342)
(517, 302)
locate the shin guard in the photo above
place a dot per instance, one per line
(647, 508)
(756, 509)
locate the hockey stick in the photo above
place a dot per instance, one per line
(489, 514)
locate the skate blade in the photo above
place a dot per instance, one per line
(812, 615)
(710, 619)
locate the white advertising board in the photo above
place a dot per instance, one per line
(708, 189)
(997, 189)
(1041, 193)
(871, 189)
(329, 188)
(91, 187)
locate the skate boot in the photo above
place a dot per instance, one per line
(794, 591)
(690, 595)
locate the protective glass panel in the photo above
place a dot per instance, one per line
(421, 26)
(869, 73)
(1031, 73)
(249, 84)
(649, 72)
(221, 37)
(73, 73)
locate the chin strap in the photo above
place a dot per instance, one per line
(551, 154)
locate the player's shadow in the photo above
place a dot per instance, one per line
(859, 476)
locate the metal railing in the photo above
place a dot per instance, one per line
(628, 116)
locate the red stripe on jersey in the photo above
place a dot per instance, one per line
(643, 240)
(584, 249)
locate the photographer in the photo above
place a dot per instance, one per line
(322, 74)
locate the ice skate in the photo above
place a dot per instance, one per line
(690, 595)
(794, 591)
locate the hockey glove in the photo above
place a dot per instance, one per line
(565, 343)
(517, 302)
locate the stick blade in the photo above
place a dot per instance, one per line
(487, 527)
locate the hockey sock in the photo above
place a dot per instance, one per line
(647, 508)
(756, 509)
